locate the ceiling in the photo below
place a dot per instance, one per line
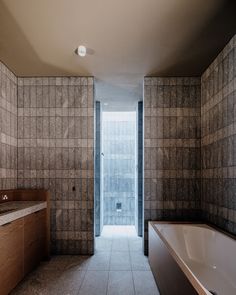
(127, 39)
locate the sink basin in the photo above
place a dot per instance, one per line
(2, 211)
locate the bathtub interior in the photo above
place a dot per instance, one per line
(209, 254)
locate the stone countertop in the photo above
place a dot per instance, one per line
(11, 211)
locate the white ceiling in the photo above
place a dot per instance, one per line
(128, 39)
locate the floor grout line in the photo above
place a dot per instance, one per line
(82, 281)
(131, 268)
(109, 269)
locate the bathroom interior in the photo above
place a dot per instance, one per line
(117, 147)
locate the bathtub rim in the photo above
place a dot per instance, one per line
(197, 285)
(200, 223)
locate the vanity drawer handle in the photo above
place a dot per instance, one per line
(6, 224)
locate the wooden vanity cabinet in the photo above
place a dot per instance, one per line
(34, 239)
(25, 241)
(23, 244)
(11, 255)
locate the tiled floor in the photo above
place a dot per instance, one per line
(117, 268)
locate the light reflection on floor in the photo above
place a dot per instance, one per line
(118, 267)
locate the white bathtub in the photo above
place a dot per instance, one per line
(205, 255)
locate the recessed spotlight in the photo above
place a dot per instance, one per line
(81, 50)
(105, 104)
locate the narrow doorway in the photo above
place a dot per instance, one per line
(118, 168)
(118, 163)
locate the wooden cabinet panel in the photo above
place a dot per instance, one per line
(11, 255)
(34, 239)
(23, 244)
(30, 243)
(41, 229)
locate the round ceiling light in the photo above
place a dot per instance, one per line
(82, 50)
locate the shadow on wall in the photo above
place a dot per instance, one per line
(186, 60)
(11, 33)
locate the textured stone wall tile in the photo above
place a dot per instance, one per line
(218, 151)
(170, 128)
(8, 123)
(53, 148)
